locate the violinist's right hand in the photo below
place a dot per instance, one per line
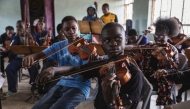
(45, 75)
(27, 61)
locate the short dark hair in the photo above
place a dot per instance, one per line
(59, 26)
(9, 28)
(110, 25)
(132, 32)
(105, 5)
(169, 25)
(67, 18)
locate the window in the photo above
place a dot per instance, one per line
(128, 10)
(174, 8)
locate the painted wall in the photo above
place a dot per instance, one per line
(142, 16)
(78, 8)
(9, 13)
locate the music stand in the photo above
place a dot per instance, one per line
(20, 49)
(37, 49)
(90, 27)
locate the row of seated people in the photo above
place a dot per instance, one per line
(15, 62)
(113, 42)
(149, 64)
(160, 39)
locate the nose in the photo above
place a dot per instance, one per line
(113, 42)
(70, 31)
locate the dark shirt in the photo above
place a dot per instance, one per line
(4, 38)
(133, 88)
(40, 37)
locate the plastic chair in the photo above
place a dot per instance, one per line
(146, 94)
(93, 91)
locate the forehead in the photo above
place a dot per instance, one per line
(160, 33)
(112, 32)
(69, 23)
(19, 24)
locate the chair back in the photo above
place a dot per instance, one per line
(146, 93)
(182, 61)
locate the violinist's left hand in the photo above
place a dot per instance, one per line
(160, 73)
(107, 83)
(94, 57)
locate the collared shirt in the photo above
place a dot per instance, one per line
(64, 58)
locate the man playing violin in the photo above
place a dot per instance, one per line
(15, 62)
(135, 39)
(70, 90)
(113, 36)
(5, 39)
(159, 59)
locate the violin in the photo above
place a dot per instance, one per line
(123, 75)
(181, 39)
(82, 48)
(28, 38)
(145, 32)
(47, 38)
(165, 54)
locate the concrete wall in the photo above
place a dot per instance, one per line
(9, 13)
(78, 8)
(142, 16)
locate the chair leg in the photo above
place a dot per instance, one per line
(185, 98)
(148, 104)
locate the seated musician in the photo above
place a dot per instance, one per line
(15, 63)
(3, 38)
(134, 38)
(92, 16)
(71, 90)
(183, 46)
(113, 36)
(154, 61)
(181, 49)
(41, 36)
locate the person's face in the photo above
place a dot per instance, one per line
(133, 39)
(42, 19)
(113, 40)
(9, 33)
(70, 30)
(20, 28)
(91, 11)
(105, 10)
(41, 26)
(160, 38)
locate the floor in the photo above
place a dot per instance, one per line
(18, 101)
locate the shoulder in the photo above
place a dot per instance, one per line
(84, 18)
(60, 43)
